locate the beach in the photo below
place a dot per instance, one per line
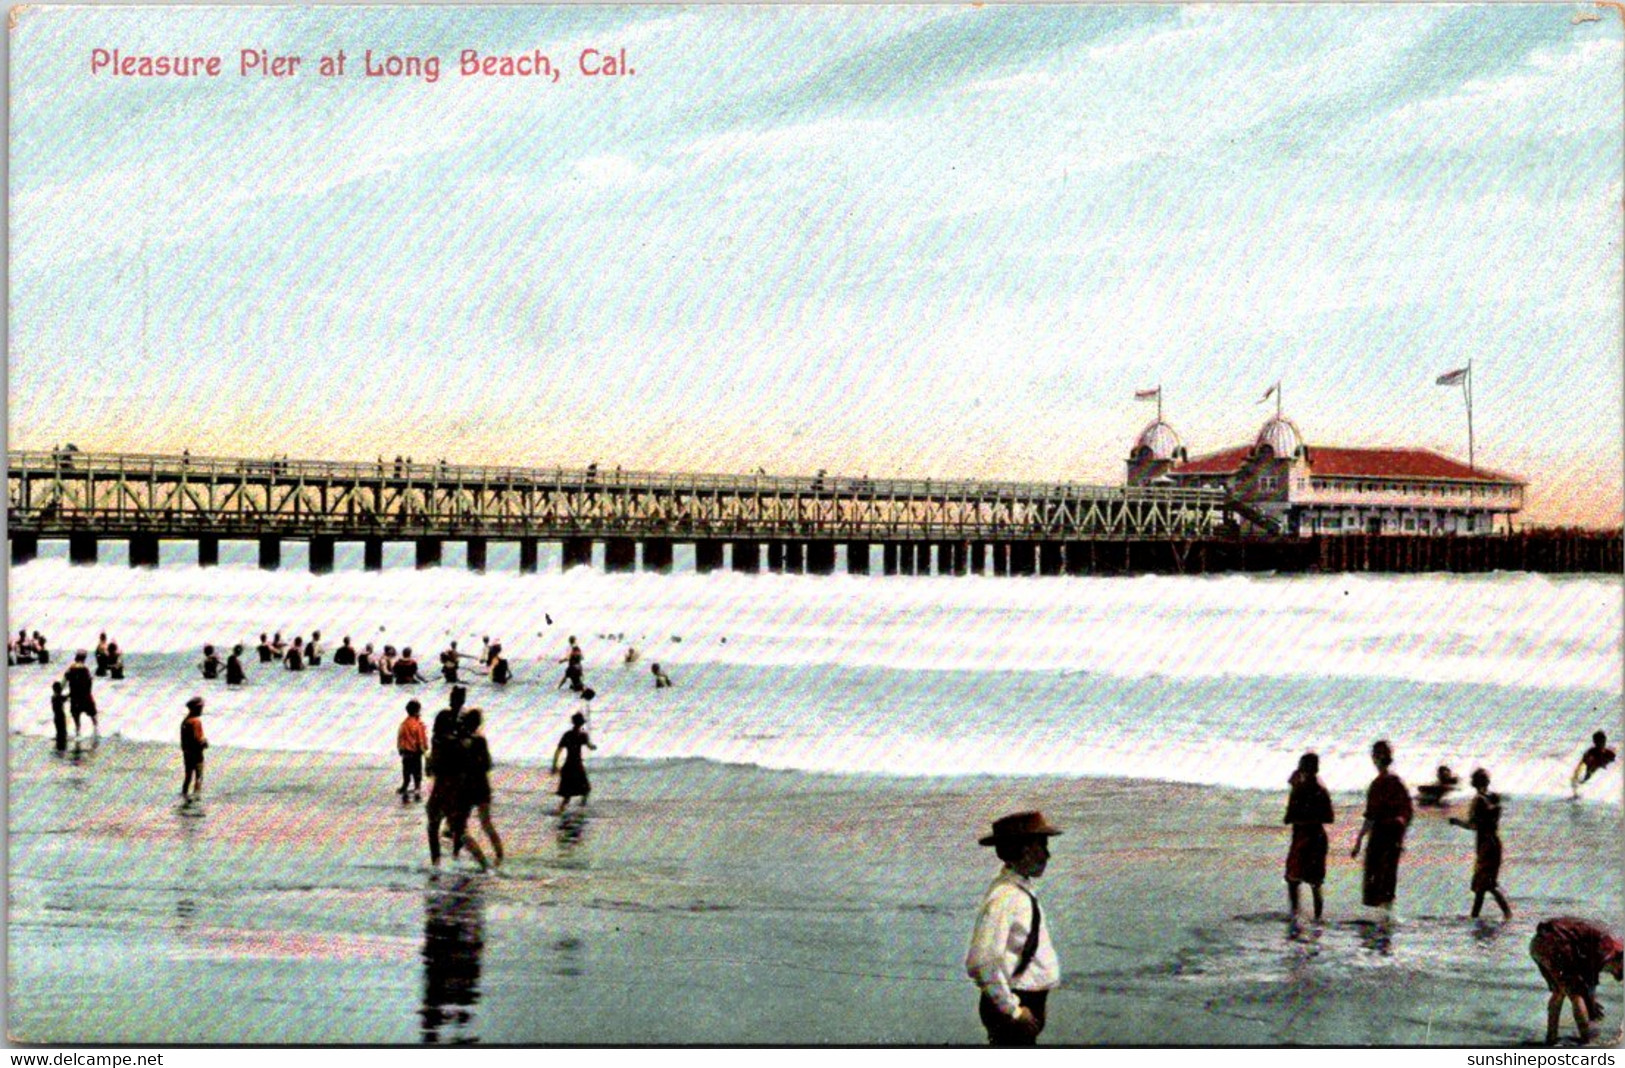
(696, 902)
(781, 847)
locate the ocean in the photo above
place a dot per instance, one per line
(1218, 680)
(781, 848)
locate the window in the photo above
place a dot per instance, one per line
(1410, 524)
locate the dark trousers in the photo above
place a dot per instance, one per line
(1001, 1030)
(411, 772)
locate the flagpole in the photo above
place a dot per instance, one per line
(1277, 400)
(1159, 402)
(1468, 393)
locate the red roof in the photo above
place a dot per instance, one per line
(1398, 463)
(1354, 463)
(1227, 462)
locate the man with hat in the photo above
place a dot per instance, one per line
(1011, 957)
(193, 743)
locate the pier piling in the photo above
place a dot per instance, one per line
(620, 555)
(708, 556)
(428, 553)
(577, 552)
(81, 549)
(24, 548)
(270, 554)
(657, 555)
(321, 556)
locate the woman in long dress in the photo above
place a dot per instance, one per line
(573, 776)
(1388, 813)
(1308, 810)
(474, 789)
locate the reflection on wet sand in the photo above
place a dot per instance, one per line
(571, 831)
(453, 940)
(1377, 936)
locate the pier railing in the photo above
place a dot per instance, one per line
(62, 493)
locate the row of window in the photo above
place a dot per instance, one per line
(1448, 489)
(1353, 522)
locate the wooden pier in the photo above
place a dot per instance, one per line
(791, 524)
(796, 521)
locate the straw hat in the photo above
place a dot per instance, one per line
(1020, 825)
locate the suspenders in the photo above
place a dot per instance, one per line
(1030, 947)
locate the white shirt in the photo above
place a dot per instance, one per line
(996, 943)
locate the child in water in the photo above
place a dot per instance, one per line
(1484, 818)
(1596, 758)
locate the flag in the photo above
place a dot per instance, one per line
(1452, 378)
(1268, 393)
(1148, 394)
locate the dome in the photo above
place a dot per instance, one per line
(1159, 439)
(1282, 438)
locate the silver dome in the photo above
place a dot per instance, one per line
(1281, 436)
(1160, 440)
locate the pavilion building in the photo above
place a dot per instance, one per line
(1280, 481)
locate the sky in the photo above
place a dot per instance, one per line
(930, 241)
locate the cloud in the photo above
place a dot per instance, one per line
(619, 172)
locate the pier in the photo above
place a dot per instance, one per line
(745, 522)
(633, 520)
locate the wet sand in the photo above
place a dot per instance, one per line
(700, 903)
